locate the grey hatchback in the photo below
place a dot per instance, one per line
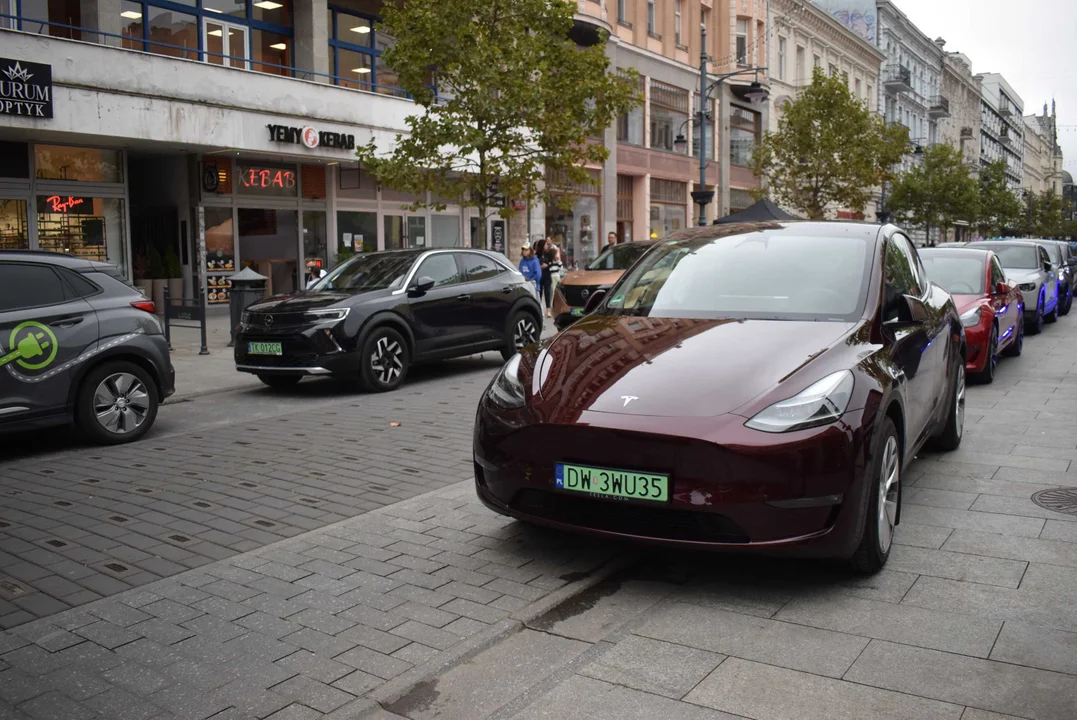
(78, 344)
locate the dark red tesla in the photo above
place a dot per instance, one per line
(992, 311)
(754, 386)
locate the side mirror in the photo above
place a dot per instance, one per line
(1048, 267)
(595, 300)
(1002, 289)
(421, 286)
(910, 311)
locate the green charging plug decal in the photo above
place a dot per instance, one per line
(34, 346)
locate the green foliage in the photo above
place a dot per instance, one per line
(155, 265)
(171, 265)
(830, 149)
(1000, 209)
(517, 97)
(1043, 216)
(936, 191)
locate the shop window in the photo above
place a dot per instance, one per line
(14, 160)
(572, 218)
(744, 129)
(86, 227)
(58, 18)
(269, 242)
(445, 230)
(357, 230)
(220, 240)
(315, 238)
(313, 177)
(625, 207)
(267, 180)
(669, 116)
(271, 53)
(14, 227)
(668, 206)
(62, 162)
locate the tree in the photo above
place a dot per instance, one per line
(936, 191)
(1049, 217)
(830, 149)
(516, 96)
(999, 208)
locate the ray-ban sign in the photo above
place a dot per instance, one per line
(25, 88)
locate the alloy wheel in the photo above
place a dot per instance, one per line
(524, 333)
(959, 399)
(992, 357)
(121, 403)
(889, 487)
(387, 360)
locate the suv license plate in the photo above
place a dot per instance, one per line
(264, 348)
(626, 484)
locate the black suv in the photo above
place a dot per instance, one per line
(373, 316)
(79, 344)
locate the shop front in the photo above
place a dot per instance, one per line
(572, 217)
(669, 207)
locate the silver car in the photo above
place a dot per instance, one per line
(1065, 263)
(1029, 266)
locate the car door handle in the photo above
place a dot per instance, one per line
(506, 290)
(463, 298)
(66, 322)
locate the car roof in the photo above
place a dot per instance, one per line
(42, 256)
(955, 251)
(1008, 243)
(809, 228)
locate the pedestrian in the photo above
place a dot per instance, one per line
(314, 273)
(542, 252)
(553, 262)
(529, 265)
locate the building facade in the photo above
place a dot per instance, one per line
(1043, 155)
(804, 36)
(1002, 128)
(961, 90)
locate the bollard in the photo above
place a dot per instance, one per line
(248, 287)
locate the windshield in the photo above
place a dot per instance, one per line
(956, 275)
(618, 257)
(1018, 257)
(363, 273)
(761, 276)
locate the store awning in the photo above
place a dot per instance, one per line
(762, 211)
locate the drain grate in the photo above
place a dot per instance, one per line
(119, 518)
(182, 539)
(1061, 500)
(56, 543)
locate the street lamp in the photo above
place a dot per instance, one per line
(755, 94)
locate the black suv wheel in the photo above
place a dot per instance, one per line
(383, 361)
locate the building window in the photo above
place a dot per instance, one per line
(705, 19)
(781, 58)
(669, 115)
(859, 87)
(622, 13)
(355, 53)
(86, 227)
(677, 22)
(669, 200)
(652, 28)
(744, 129)
(871, 94)
(800, 65)
(630, 124)
(818, 62)
(742, 41)
(79, 164)
(625, 207)
(14, 225)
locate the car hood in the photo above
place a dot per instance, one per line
(967, 302)
(592, 278)
(671, 366)
(301, 302)
(1021, 275)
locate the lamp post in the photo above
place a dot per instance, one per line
(707, 83)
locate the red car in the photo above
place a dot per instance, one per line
(743, 387)
(992, 310)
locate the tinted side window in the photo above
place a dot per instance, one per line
(79, 286)
(479, 267)
(898, 278)
(997, 276)
(24, 285)
(916, 287)
(1044, 257)
(441, 268)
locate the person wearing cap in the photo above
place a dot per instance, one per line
(530, 267)
(314, 273)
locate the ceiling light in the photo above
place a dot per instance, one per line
(268, 5)
(209, 9)
(215, 33)
(131, 14)
(278, 46)
(361, 71)
(362, 29)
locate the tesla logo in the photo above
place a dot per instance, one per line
(269, 320)
(628, 399)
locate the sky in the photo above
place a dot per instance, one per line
(1032, 43)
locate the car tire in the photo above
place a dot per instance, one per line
(1018, 345)
(987, 375)
(119, 394)
(1065, 307)
(280, 382)
(523, 330)
(1051, 317)
(950, 437)
(383, 361)
(884, 503)
(1037, 319)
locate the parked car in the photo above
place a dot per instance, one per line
(1028, 266)
(742, 387)
(992, 311)
(575, 288)
(951, 244)
(371, 318)
(78, 344)
(1058, 253)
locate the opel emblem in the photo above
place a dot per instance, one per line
(585, 294)
(269, 320)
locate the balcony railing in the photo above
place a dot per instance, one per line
(53, 30)
(898, 77)
(940, 106)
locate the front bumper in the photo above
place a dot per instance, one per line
(309, 351)
(800, 494)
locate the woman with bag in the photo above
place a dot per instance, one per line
(554, 270)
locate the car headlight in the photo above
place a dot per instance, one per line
(245, 318)
(506, 390)
(1027, 287)
(819, 404)
(972, 317)
(324, 314)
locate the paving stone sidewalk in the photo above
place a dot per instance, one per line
(306, 627)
